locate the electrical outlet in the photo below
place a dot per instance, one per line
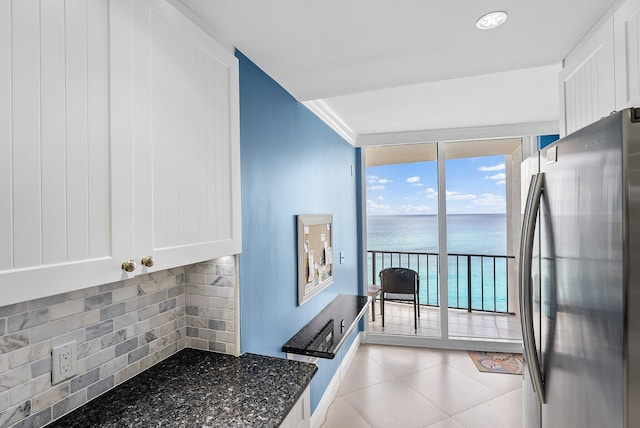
(65, 362)
(64, 359)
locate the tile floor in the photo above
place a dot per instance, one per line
(389, 386)
(399, 320)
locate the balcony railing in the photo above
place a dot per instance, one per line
(476, 282)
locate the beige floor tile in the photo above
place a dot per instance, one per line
(502, 383)
(384, 388)
(515, 334)
(515, 396)
(395, 328)
(507, 321)
(390, 308)
(428, 324)
(428, 332)
(401, 361)
(481, 331)
(394, 404)
(431, 314)
(449, 389)
(444, 356)
(458, 329)
(497, 413)
(447, 423)
(399, 320)
(364, 372)
(461, 323)
(342, 415)
(482, 321)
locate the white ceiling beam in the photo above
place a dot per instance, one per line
(460, 134)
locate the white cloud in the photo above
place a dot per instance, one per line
(376, 179)
(376, 187)
(380, 198)
(457, 196)
(416, 209)
(495, 203)
(431, 193)
(502, 182)
(414, 179)
(498, 167)
(372, 207)
(500, 176)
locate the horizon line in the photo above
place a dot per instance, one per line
(382, 215)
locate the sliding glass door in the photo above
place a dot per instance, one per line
(402, 231)
(443, 210)
(476, 231)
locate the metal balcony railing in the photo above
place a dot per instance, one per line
(477, 282)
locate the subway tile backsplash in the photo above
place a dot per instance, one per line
(210, 306)
(121, 329)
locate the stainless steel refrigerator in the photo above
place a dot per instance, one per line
(580, 279)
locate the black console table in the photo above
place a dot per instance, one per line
(324, 335)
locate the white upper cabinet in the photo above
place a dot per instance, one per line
(602, 74)
(186, 140)
(58, 180)
(627, 51)
(119, 139)
(587, 81)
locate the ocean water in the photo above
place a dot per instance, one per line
(472, 242)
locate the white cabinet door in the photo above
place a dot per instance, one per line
(299, 416)
(60, 201)
(627, 52)
(119, 139)
(587, 81)
(186, 140)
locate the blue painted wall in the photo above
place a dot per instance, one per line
(545, 140)
(292, 163)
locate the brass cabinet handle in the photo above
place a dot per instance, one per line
(148, 261)
(128, 266)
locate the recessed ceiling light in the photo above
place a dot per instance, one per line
(491, 20)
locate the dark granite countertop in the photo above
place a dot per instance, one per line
(196, 388)
(324, 334)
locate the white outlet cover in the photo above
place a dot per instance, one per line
(64, 362)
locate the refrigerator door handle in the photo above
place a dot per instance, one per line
(526, 307)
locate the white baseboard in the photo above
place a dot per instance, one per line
(330, 394)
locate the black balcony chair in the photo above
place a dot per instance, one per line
(401, 284)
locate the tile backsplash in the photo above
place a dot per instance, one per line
(120, 329)
(210, 313)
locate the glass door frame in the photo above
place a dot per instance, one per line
(444, 341)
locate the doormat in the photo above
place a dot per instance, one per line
(497, 362)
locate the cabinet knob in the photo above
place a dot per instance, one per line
(128, 266)
(148, 261)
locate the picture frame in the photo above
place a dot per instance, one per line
(315, 254)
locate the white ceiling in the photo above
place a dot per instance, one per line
(394, 66)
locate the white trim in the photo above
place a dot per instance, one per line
(443, 254)
(320, 413)
(322, 109)
(197, 20)
(325, 112)
(236, 316)
(459, 134)
(463, 344)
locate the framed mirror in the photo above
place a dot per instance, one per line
(315, 254)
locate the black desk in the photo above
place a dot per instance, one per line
(324, 335)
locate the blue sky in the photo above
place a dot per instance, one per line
(474, 186)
